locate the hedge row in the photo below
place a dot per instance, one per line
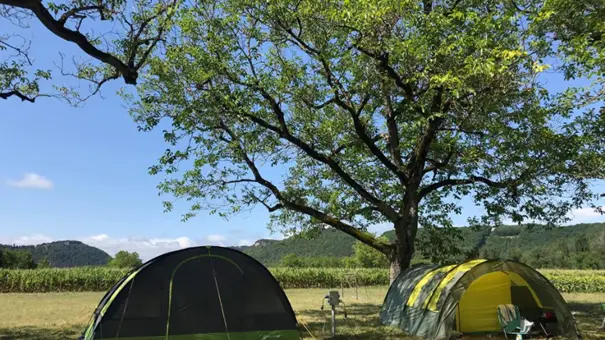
(101, 279)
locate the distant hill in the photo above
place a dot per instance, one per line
(328, 242)
(534, 246)
(501, 243)
(65, 253)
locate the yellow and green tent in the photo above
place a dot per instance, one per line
(198, 293)
(436, 301)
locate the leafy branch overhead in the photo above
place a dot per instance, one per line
(132, 32)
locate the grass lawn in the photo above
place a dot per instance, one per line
(62, 316)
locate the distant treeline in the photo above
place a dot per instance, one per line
(68, 253)
(578, 247)
(19, 259)
(22, 258)
(574, 252)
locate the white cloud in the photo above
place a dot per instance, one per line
(380, 229)
(586, 215)
(216, 239)
(147, 248)
(244, 243)
(26, 240)
(99, 238)
(32, 181)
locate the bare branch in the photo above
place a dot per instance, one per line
(20, 51)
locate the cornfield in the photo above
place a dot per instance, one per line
(102, 278)
(577, 281)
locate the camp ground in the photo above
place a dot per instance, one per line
(215, 293)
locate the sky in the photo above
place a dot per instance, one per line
(82, 174)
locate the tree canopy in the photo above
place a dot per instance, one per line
(374, 112)
(16, 259)
(125, 259)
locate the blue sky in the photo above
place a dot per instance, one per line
(81, 173)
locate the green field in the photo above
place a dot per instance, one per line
(61, 316)
(98, 279)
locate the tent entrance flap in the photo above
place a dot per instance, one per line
(477, 307)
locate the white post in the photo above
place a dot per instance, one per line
(333, 320)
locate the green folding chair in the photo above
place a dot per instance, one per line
(512, 323)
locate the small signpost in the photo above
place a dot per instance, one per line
(334, 300)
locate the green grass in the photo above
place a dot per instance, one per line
(61, 316)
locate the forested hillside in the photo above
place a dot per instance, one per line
(328, 243)
(577, 246)
(64, 253)
(580, 246)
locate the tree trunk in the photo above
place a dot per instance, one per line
(405, 232)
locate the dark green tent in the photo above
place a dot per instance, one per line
(200, 293)
(434, 301)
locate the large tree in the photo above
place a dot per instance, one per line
(117, 36)
(354, 113)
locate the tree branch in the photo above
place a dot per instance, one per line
(129, 74)
(284, 133)
(74, 11)
(436, 165)
(19, 51)
(427, 6)
(363, 135)
(301, 208)
(318, 106)
(127, 70)
(6, 95)
(394, 143)
(383, 64)
(389, 212)
(348, 145)
(465, 181)
(348, 106)
(418, 158)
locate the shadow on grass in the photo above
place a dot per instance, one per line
(38, 333)
(589, 317)
(363, 323)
